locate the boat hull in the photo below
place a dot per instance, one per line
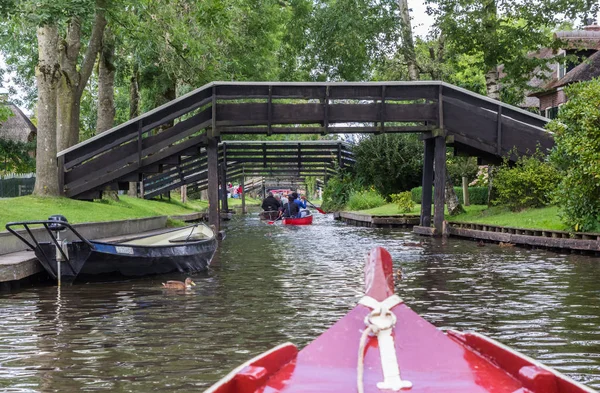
(308, 220)
(433, 361)
(269, 215)
(131, 261)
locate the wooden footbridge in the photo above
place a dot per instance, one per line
(170, 141)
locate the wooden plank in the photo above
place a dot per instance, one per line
(150, 145)
(499, 132)
(213, 182)
(536, 241)
(128, 130)
(463, 118)
(245, 130)
(257, 113)
(491, 105)
(439, 182)
(427, 191)
(525, 138)
(60, 167)
(411, 92)
(123, 167)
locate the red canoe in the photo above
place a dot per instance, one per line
(298, 221)
(414, 352)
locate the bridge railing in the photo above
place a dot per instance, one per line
(179, 129)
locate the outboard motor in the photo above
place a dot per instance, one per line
(57, 227)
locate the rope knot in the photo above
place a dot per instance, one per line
(380, 322)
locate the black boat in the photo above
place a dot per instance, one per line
(269, 215)
(187, 249)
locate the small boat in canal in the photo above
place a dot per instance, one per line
(186, 249)
(269, 215)
(307, 220)
(382, 345)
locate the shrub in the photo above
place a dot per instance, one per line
(337, 191)
(577, 155)
(477, 195)
(404, 201)
(389, 162)
(530, 182)
(364, 199)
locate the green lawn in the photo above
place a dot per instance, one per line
(543, 218)
(389, 210)
(237, 202)
(35, 208)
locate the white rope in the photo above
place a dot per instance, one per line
(380, 322)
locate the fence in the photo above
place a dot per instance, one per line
(14, 185)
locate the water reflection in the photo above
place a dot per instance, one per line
(271, 284)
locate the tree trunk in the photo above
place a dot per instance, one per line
(106, 93)
(134, 111)
(408, 46)
(454, 206)
(490, 184)
(465, 188)
(492, 83)
(73, 81)
(106, 83)
(47, 75)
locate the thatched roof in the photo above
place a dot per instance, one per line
(17, 127)
(588, 70)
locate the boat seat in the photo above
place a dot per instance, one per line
(194, 237)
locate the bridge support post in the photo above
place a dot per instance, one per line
(243, 196)
(224, 204)
(213, 181)
(439, 184)
(427, 190)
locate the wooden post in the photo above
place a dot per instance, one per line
(465, 189)
(212, 156)
(243, 195)
(224, 204)
(184, 193)
(439, 184)
(427, 189)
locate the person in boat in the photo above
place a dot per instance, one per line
(270, 203)
(290, 209)
(301, 202)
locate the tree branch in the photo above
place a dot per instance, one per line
(93, 46)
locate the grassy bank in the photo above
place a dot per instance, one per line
(543, 218)
(35, 208)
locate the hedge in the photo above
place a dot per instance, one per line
(477, 195)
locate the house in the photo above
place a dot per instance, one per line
(17, 127)
(581, 51)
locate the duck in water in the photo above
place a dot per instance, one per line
(178, 284)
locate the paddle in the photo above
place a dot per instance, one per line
(318, 208)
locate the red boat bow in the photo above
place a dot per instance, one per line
(433, 361)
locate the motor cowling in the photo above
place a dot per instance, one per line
(56, 226)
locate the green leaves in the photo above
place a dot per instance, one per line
(530, 182)
(389, 162)
(577, 155)
(15, 156)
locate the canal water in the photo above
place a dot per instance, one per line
(272, 284)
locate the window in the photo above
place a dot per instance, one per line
(562, 65)
(551, 112)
